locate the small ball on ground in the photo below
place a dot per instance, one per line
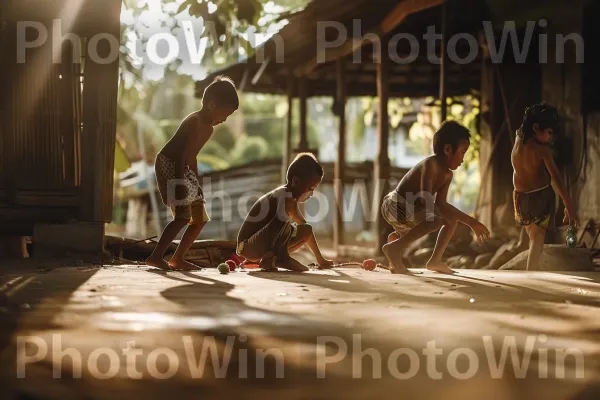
(236, 258)
(223, 268)
(232, 265)
(369, 264)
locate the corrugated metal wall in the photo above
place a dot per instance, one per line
(46, 157)
(41, 104)
(3, 88)
(43, 123)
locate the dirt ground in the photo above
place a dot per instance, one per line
(77, 331)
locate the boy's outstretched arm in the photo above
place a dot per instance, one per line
(295, 215)
(559, 185)
(451, 212)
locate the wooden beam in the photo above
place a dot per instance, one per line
(302, 94)
(382, 162)
(392, 20)
(340, 164)
(260, 71)
(443, 63)
(100, 92)
(287, 148)
(244, 80)
(331, 55)
(403, 10)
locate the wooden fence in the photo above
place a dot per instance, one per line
(231, 193)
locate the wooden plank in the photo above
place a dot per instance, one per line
(443, 63)
(260, 71)
(403, 10)
(382, 162)
(333, 54)
(288, 132)
(100, 91)
(302, 94)
(340, 165)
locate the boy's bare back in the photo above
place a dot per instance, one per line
(427, 176)
(188, 140)
(263, 211)
(528, 160)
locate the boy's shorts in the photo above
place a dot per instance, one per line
(195, 212)
(403, 216)
(193, 207)
(535, 207)
(271, 240)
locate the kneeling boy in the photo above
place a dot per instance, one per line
(275, 227)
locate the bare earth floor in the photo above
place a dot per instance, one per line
(127, 332)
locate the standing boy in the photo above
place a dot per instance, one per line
(418, 206)
(534, 174)
(177, 173)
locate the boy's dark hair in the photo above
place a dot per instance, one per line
(222, 92)
(304, 167)
(452, 133)
(542, 114)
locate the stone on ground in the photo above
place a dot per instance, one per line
(555, 258)
(482, 260)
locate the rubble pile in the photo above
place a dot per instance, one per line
(503, 251)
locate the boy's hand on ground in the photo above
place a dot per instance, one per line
(482, 233)
(325, 263)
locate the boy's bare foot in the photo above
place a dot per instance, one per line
(290, 264)
(439, 267)
(180, 264)
(396, 265)
(267, 264)
(158, 262)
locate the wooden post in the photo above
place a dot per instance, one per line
(381, 171)
(340, 165)
(444, 110)
(287, 146)
(302, 90)
(100, 90)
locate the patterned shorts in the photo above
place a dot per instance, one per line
(193, 207)
(536, 207)
(401, 215)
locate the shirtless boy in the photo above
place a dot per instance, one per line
(418, 206)
(534, 174)
(177, 173)
(275, 227)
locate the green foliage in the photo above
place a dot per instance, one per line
(358, 128)
(467, 114)
(311, 133)
(169, 127)
(227, 25)
(223, 135)
(213, 162)
(248, 149)
(121, 161)
(212, 147)
(160, 105)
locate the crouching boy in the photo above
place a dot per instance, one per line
(275, 227)
(418, 206)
